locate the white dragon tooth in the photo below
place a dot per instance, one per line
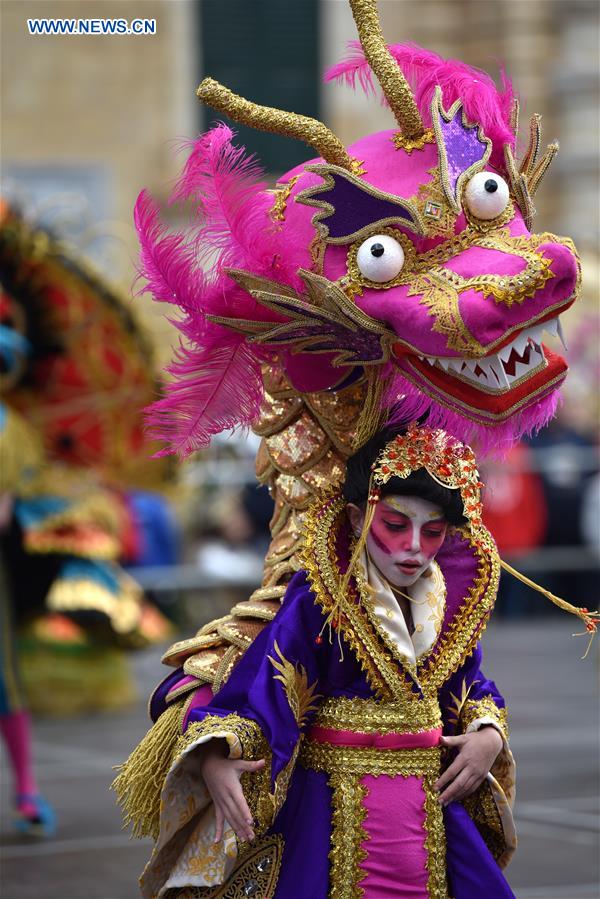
(520, 343)
(445, 363)
(535, 334)
(431, 359)
(498, 370)
(456, 364)
(551, 327)
(471, 365)
(559, 331)
(505, 352)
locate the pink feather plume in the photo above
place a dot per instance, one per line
(217, 381)
(483, 102)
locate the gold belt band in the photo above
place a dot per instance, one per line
(369, 760)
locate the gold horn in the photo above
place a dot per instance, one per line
(276, 121)
(393, 83)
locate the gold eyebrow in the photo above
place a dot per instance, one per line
(398, 507)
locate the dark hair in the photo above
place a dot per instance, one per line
(418, 483)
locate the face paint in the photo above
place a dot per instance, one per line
(405, 536)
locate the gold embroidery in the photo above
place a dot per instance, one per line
(345, 767)
(256, 869)
(435, 842)
(300, 696)
(408, 144)
(369, 760)
(410, 257)
(485, 707)
(433, 206)
(282, 195)
(368, 716)
(441, 297)
(347, 835)
(309, 197)
(483, 810)
(458, 702)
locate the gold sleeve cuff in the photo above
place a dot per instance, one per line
(244, 736)
(484, 711)
(246, 741)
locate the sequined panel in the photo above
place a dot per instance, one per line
(298, 447)
(275, 414)
(327, 473)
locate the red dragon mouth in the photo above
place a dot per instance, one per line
(497, 385)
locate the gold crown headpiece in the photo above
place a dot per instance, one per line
(448, 461)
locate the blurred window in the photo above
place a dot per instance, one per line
(267, 51)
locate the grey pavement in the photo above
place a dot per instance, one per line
(553, 701)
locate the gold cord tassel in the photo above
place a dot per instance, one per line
(141, 778)
(590, 619)
(371, 415)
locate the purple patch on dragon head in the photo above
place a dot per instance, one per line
(351, 206)
(463, 148)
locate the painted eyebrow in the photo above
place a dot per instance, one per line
(350, 208)
(394, 506)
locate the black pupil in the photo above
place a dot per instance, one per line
(491, 186)
(377, 250)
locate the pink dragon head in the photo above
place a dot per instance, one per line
(408, 255)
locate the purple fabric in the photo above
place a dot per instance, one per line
(158, 700)
(463, 147)
(472, 871)
(353, 208)
(459, 564)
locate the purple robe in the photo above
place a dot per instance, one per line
(295, 646)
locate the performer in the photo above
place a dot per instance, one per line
(340, 713)
(33, 814)
(393, 280)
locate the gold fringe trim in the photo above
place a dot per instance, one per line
(371, 416)
(141, 778)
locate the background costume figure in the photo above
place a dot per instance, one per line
(66, 522)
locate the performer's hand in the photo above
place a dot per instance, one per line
(477, 752)
(222, 778)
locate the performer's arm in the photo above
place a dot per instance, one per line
(475, 726)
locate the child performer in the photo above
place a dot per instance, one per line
(357, 748)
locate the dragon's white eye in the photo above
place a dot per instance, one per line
(486, 195)
(380, 258)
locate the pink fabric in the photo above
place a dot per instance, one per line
(424, 740)
(201, 697)
(16, 731)
(396, 862)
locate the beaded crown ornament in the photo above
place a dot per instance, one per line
(448, 461)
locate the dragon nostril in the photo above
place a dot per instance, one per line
(377, 250)
(491, 186)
